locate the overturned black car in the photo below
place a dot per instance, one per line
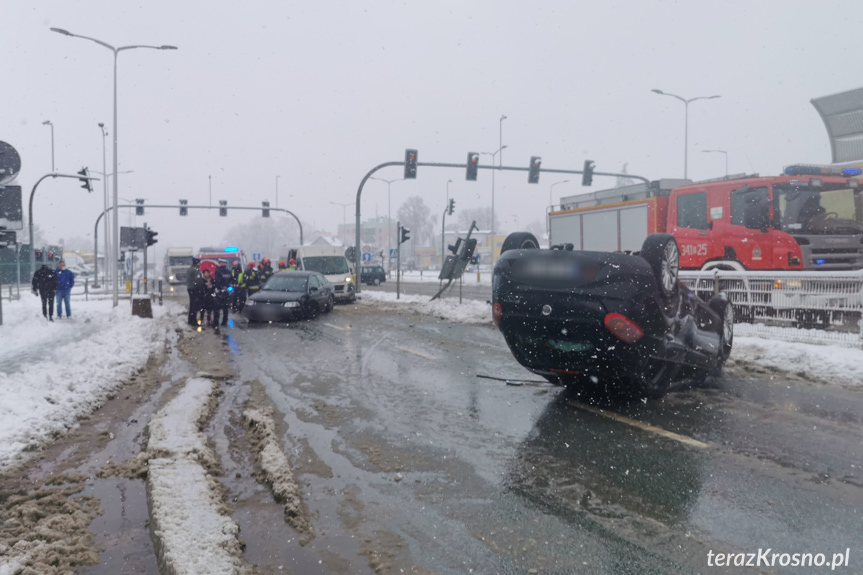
(607, 324)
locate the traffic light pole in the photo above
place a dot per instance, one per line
(30, 212)
(398, 262)
(109, 208)
(463, 166)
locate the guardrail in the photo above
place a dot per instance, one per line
(825, 307)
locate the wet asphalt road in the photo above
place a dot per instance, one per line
(398, 442)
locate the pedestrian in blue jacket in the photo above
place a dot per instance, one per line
(65, 281)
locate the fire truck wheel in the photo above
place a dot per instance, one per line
(663, 255)
(519, 241)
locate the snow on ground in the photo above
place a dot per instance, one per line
(53, 373)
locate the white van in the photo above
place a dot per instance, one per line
(328, 260)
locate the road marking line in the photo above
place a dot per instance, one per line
(416, 352)
(643, 426)
(338, 327)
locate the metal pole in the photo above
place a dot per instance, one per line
(277, 191)
(105, 197)
(398, 263)
(115, 236)
(686, 140)
(50, 123)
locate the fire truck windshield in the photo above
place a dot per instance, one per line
(823, 210)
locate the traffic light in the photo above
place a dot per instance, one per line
(38, 255)
(451, 208)
(151, 237)
(223, 210)
(139, 207)
(587, 174)
(405, 235)
(533, 174)
(410, 164)
(184, 211)
(85, 179)
(469, 248)
(265, 212)
(454, 248)
(472, 166)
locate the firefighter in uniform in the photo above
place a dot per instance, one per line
(252, 280)
(236, 275)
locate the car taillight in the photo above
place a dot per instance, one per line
(496, 314)
(623, 328)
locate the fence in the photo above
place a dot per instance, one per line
(824, 307)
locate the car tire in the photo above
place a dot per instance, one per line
(331, 303)
(723, 307)
(519, 241)
(376, 281)
(662, 254)
(312, 310)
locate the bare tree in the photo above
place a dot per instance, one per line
(416, 216)
(266, 235)
(482, 216)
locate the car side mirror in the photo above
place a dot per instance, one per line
(313, 289)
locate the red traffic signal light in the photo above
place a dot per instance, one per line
(472, 166)
(410, 164)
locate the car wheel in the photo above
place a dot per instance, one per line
(312, 310)
(721, 305)
(376, 281)
(663, 255)
(519, 241)
(331, 303)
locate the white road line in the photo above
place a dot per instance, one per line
(415, 352)
(641, 425)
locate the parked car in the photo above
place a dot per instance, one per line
(605, 323)
(291, 295)
(373, 275)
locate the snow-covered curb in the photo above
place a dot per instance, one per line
(192, 528)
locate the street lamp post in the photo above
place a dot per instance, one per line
(105, 198)
(49, 123)
(277, 191)
(115, 243)
(550, 204)
(723, 152)
(685, 124)
(344, 220)
(493, 155)
(389, 220)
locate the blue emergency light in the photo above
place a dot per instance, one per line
(231, 249)
(819, 262)
(809, 170)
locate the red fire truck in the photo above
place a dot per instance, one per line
(810, 217)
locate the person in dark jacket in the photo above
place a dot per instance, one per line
(222, 283)
(265, 271)
(65, 283)
(195, 287)
(208, 299)
(45, 286)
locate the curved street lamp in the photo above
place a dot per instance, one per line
(493, 155)
(389, 219)
(49, 123)
(720, 152)
(685, 124)
(115, 244)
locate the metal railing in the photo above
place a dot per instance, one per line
(825, 307)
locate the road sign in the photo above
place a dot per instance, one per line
(394, 253)
(367, 249)
(256, 257)
(367, 257)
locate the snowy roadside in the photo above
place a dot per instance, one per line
(53, 373)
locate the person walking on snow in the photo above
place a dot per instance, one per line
(45, 286)
(65, 283)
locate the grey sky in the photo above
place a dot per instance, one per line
(319, 92)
